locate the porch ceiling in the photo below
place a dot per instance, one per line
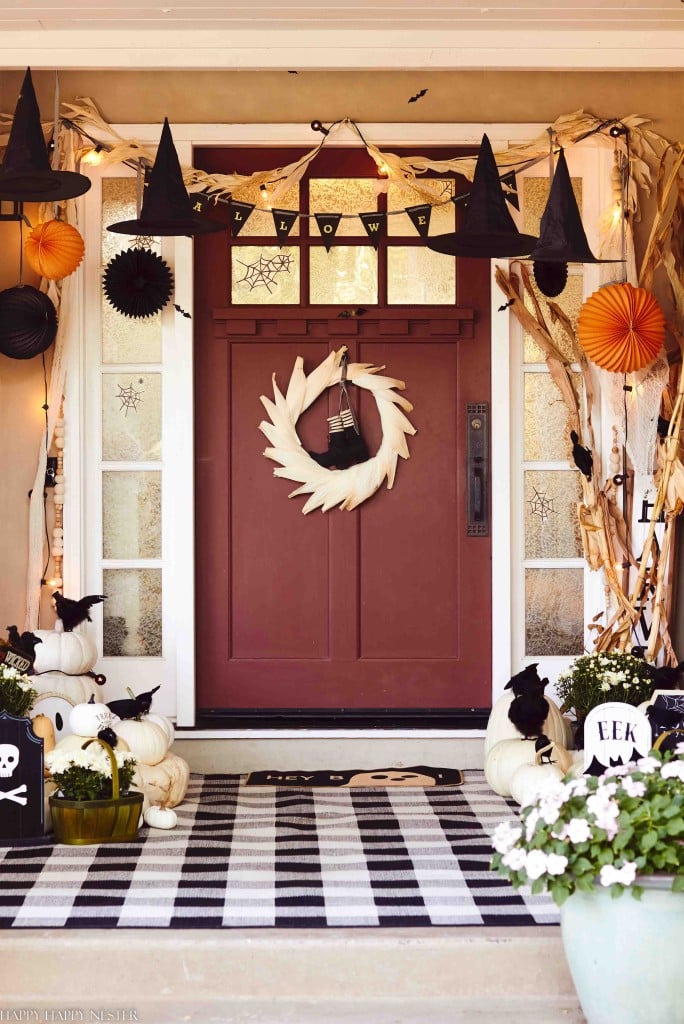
(436, 34)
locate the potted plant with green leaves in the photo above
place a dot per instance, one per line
(92, 802)
(16, 692)
(589, 840)
(600, 677)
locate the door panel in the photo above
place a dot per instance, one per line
(384, 607)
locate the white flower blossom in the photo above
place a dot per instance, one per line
(578, 787)
(616, 771)
(531, 823)
(514, 859)
(505, 836)
(535, 864)
(577, 830)
(556, 863)
(648, 765)
(604, 686)
(632, 787)
(673, 770)
(625, 875)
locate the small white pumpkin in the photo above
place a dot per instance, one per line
(500, 727)
(530, 780)
(146, 739)
(160, 817)
(164, 783)
(74, 653)
(503, 760)
(75, 742)
(90, 718)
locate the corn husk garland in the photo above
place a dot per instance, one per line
(621, 328)
(345, 488)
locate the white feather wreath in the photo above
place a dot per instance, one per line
(346, 488)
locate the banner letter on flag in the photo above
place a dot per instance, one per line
(284, 221)
(375, 225)
(327, 225)
(420, 216)
(239, 215)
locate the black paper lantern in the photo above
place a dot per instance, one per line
(28, 322)
(551, 278)
(138, 283)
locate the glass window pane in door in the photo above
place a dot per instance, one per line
(131, 514)
(131, 417)
(342, 195)
(554, 612)
(132, 623)
(418, 276)
(347, 274)
(264, 275)
(436, 192)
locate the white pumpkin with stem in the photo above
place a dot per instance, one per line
(146, 739)
(164, 783)
(500, 727)
(158, 816)
(77, 688)
(70, 652)
(529, 780)
(504, 759)
(75, 742)
(90, 718)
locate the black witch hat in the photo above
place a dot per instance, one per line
(561, 235)
(26, 175)
(166, 207)
(488, 229)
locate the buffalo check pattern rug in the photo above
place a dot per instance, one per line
(268, 857)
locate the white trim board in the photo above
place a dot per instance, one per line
(386, 49)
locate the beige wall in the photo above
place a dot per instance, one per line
(276, 96)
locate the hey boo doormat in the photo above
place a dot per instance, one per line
(418, 775)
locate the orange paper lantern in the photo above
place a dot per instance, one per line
(54, 249)
(621, 328)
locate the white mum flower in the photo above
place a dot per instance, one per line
(577, 830)
(556, 863)
(672, 770)
(604, 686)
(535, 864)
(624, 876)
(514, 859)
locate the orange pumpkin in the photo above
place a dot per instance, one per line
(621, 328)
(54, 249)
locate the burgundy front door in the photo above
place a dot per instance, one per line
(380, 610)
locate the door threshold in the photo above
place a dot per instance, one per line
(199, 733)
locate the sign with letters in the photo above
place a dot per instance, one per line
(614, 734)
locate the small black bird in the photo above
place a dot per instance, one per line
(72, 613)
(668, 677)
(543, 747)
(529, 708)
(582, 456)
(132, 707)
(24, 642)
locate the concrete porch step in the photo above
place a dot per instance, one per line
(290, 976)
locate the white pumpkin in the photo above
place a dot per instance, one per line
(77, 689)
(90, 718)
(504, 759)
(164, 723)
(75, 742)
(165, 783)
(74, 653)
(500, 727)
(146, 739)
(530, 780)
(160, 817)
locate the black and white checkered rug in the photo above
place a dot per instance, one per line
(282, 857)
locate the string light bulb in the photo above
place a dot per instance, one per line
(94, 156)
(383, 170)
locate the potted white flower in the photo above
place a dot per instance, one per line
(587, 841)
(16, 692)
(92, 803)
(600, 678)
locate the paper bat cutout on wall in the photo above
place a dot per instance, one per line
(418, 96)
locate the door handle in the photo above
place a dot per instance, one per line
(477, 469)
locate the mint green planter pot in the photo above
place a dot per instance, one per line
(625, 955)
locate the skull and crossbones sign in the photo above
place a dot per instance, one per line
(9, 760)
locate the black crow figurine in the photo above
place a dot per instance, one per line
(582, 456)
(25, 642)
(132, 706)
(72, 613)
(544, 748)
(529, 708)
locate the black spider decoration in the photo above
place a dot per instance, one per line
(138, 283)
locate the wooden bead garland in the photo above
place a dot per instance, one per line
(58, 498)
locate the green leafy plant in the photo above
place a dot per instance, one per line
(87, 774)
(597, 678)
(607, 831)
(16, 693)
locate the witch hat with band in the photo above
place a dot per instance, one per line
(25, 174)
(166, 206)
(561, 235)
(488, 229)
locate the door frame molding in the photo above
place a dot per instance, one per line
(79, 530)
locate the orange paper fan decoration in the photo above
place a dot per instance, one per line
(621, 328)
(54, 249)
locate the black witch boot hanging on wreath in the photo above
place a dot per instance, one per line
(346, 446)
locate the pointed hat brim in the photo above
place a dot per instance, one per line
(487, 246)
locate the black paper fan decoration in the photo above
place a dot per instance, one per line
(551, 278)
(28, 322)
(138, 283)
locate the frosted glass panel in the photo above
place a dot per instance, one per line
(265, 275)
(535, 193)
(131, 514)
(260, 221)
(416, 275)
(554, 612)
(342, 195)
(124, 340)
(442, 217)
(132, 625)
(348, 273)
(551, 523)
(131, 417)
(570, 301)
(547, 436)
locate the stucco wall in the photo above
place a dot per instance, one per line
(267, 97)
